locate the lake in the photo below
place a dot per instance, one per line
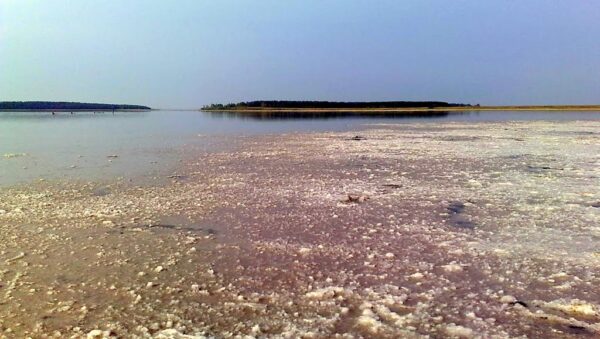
(88, 146)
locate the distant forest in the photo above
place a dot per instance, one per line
(65, 106)
(330, 104)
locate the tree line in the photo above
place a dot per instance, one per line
(331, 104)
(61, 105)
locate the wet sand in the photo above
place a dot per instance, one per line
(411, 230)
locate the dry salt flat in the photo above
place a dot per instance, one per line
(466, 230)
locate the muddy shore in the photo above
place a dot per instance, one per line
(412, 230)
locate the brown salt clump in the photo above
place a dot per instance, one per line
(355, 198)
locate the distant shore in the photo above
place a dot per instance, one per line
(66, 106)
(75, 110)
(408, 109)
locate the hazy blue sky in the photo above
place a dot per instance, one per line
(188, 53)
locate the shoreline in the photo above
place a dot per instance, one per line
(410, 110)
(75, 110)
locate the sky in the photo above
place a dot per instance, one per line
(187, 53)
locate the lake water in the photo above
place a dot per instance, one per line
(91, 146)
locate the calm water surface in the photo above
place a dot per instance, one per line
(82, 146)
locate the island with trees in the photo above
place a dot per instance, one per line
(274, 105)
(66, 106)
(377, 107)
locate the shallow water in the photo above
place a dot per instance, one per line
(91, 146)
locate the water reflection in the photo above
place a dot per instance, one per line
(42, 116)
(291, 115)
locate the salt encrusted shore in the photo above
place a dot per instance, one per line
(409, 230)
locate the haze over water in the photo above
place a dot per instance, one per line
(190, 53)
